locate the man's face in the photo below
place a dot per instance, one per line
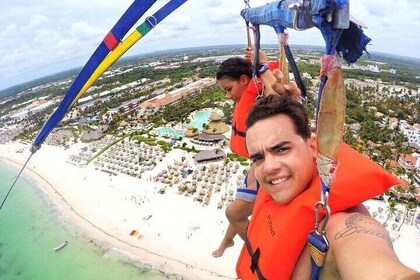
(233, 89)
(284, 162)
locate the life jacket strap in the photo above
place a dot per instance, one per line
(238, 132)
(255, 256)
(318, 248)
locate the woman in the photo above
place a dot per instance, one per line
(234, 77)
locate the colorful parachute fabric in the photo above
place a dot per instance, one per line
(105, 55)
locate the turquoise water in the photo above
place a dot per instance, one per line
(198, 121)
(161, 131)
(31, 226)
(200, 118)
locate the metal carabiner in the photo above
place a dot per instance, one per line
(327, 210)
(257, 82)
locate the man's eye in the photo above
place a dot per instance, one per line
(256, 159)
(282, 150)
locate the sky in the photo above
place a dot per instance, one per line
(43, 37)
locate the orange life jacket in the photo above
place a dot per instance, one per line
(237, 138)
(280, 232)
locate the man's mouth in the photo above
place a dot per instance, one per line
(280, 180)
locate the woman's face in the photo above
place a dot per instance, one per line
(234, 88)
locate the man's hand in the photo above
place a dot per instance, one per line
(276, 87)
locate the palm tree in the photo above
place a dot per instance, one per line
(409, 205)
(391, 208)
(400, 191)
(412, 191)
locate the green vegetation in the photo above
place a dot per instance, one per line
(104, 149)
(208, 98)
(146, 140)
(232, 157)
(370, 99)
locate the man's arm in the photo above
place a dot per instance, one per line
(363, 249)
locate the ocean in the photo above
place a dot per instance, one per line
(31, 225)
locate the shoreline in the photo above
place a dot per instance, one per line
(177, 234)
(107, 240)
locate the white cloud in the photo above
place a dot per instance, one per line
(41, 37)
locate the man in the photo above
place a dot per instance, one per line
(283, 155)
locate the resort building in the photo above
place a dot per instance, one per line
(213, 131)
(191, 132)
(210, 155)
(407, 162)
(413, 134)
(92, 135)
(176, 95)
(215, 125)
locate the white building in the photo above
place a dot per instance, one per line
(412, 132)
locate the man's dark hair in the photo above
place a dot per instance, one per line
(233, 68)
(283, 104)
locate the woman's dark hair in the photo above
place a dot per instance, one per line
(283, 104)
(233, 68)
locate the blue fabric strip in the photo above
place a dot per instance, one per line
(278, 15)
(123, 25)
(322, 246)
(247, 191)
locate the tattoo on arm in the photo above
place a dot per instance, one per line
(362, 224)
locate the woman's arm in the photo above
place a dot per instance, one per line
(272, 79)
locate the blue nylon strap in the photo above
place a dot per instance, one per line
(167, 9)
(123, 25)
(127, 20)
(315, 270)
(257, 41)
(318, 251)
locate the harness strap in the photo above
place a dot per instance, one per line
(257, 39)
(238, 132)
(318, 248)
(248, 36)
(295, 71)
(254, 260)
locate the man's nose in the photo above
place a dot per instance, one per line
(271, 164)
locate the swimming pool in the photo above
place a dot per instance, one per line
(167, 131)
(200, 118)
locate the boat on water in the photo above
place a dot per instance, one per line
(60, 246)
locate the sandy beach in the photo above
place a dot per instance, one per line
(170, 232)
(178, 237)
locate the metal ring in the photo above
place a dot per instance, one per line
(152, 24)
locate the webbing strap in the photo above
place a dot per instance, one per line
(254, 259)
(257, 38)
(123, 25)
(295, 71)
(238, 132)
(318, 250)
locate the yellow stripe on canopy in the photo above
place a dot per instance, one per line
(109, 60)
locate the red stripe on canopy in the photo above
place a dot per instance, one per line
(110, 41)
